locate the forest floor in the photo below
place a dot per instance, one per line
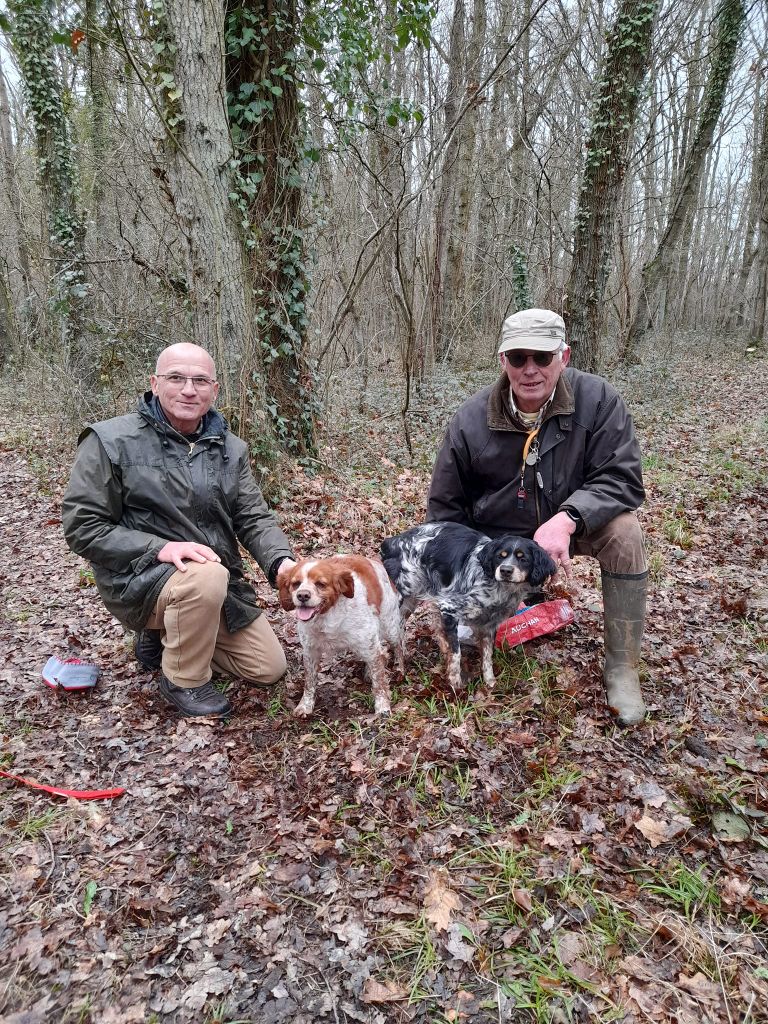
(476, 857)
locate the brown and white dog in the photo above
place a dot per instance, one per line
(345, 604)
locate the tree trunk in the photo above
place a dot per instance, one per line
(31, 38)
(446, 179)
(758, 320)
(757, 196)
(15, 246)
(97, 57)
(650, 310)
(261, 77)
(216, 278)
(613, 122)
(455, 292)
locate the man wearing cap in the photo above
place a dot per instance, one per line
(550, 452)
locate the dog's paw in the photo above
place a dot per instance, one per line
(303, 710)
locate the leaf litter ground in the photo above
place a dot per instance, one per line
(476, 857)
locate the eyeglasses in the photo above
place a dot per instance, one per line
(178, 380)
(519, 359)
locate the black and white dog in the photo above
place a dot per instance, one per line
(471, 578)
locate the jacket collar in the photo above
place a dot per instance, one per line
(500, 416)
(212, 427)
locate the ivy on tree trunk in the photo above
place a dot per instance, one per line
(613, 121)
(262, 64)
(31, 36)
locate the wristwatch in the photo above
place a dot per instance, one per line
(574, 517)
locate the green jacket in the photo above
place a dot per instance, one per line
(137, 484)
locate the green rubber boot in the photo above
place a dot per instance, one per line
(624, 599)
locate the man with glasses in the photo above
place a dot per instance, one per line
(550, 452)
(157, 502)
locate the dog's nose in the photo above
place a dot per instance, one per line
(303, 596)
(508, 572)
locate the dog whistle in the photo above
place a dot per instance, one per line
(521, 496)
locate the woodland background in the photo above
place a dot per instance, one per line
(323, 188)
(343, 202)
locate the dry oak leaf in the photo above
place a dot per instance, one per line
(388, 992)
(650, 793)
(560, 839)
(456, 946)
(700, 987)
(440, 901)
(658, 832)
(136, 1013)
(213, 982)
(352, 933)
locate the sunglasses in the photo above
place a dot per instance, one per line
(519, 359)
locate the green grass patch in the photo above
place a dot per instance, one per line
(34, 826)
(677, 529)
(686, 890)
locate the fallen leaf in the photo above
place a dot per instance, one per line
(730, 828)
(440, 901)
(701, 987)
(523, 899)
(383, 992)
(214, 982)
(658, 832)
(650, 793)
(457, 945)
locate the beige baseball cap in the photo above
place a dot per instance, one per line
(539, 330)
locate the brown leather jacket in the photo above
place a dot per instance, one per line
(589, 461)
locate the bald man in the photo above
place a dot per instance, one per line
(158, 502)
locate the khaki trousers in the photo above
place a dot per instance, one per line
(195, 635)
(618, 547)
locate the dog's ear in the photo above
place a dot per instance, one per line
(283, 590)
(486, 558)
(389, 548)
(542, 566)
(346, 583)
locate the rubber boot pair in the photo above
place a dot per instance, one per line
(624, 602)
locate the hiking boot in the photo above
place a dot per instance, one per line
(149, 649)
(195, 701)
(624, 599)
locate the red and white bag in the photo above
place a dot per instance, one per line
(538, 620)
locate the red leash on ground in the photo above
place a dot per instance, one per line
(78, 794)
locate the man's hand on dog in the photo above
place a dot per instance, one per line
(555, 537)
(285, 565)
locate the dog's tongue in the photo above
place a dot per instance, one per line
(305, 614)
